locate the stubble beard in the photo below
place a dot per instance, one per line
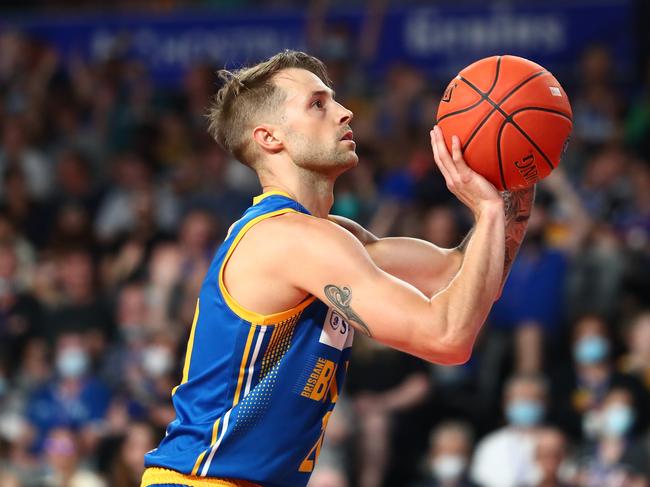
(326, 160)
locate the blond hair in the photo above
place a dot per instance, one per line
(247, 95)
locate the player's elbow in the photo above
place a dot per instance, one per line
(456, 356)
(449, 350)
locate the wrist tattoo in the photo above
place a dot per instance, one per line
(518, 205)
(341, 297)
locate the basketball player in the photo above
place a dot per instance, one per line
(269, 345)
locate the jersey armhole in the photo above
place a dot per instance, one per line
(245, 313)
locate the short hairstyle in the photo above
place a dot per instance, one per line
(526, 377)
(248, 93)
(460, 427)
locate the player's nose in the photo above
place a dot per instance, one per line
(346, 116)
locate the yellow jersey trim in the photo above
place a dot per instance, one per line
(244, 313)
(190, 347)
(242, 366)
(157, 475)
(198, 463)
(263, 196)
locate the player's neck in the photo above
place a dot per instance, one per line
(314, 192)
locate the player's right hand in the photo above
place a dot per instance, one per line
(467, 185)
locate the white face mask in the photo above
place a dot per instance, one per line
(72, 362)
(157, 360)
(446, 468)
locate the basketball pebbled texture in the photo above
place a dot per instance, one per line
(513, 119)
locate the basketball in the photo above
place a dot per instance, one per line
(513, 119)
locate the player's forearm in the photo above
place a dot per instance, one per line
(468, 298)
(420, 263)
(517, 208)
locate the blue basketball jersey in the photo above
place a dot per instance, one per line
(257, 390)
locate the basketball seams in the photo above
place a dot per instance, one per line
(508, 117)
(496, 77)
(522, 132)
(496, 106)
(542, 109)
(503, 178)
(483, 95)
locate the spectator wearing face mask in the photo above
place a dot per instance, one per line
(450, 448)
(505, 457)
(615, 456)
(73, 397)
(579, 395)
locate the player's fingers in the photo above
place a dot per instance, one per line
(436, 156)
(464, 171)
(443, 153)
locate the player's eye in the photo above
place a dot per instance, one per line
(317, 104)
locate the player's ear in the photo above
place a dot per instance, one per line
(266, 138)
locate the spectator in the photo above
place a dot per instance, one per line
(637, 359)
(579, 395)
(450, 449)
(62, 455)
(505, 457)
(615, 457)
(129, 464)
(72, 398)
(551, 455)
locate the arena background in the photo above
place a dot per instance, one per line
(113, 199)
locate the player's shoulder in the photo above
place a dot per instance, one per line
(294, 231)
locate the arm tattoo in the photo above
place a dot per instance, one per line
(341, 297)
(518, 205)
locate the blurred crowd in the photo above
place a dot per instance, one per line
(113, 199)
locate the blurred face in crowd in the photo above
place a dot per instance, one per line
(72, 359)
(617, 414)
(132, 312)
(13, 137)
(638, 339)
(158, 358)
(61, 450)
(8, 262)
(314, 129)
(525, 402)
(139, 440)
(72, 174)
(590, 345)
(449, 453)
(440, 227)
(550, 452)
(76, 274)
(197, 232)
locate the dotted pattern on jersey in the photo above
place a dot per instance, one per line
(253, 407)
(310, 363)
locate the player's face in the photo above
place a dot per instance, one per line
(315, 128)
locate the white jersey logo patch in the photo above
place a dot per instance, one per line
(336, 331)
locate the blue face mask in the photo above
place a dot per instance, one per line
(591, 350)
(72, 363)
(617, 420)
(524, 413)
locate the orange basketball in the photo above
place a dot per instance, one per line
(512, 117)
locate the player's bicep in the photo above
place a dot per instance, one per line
(332, 265)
